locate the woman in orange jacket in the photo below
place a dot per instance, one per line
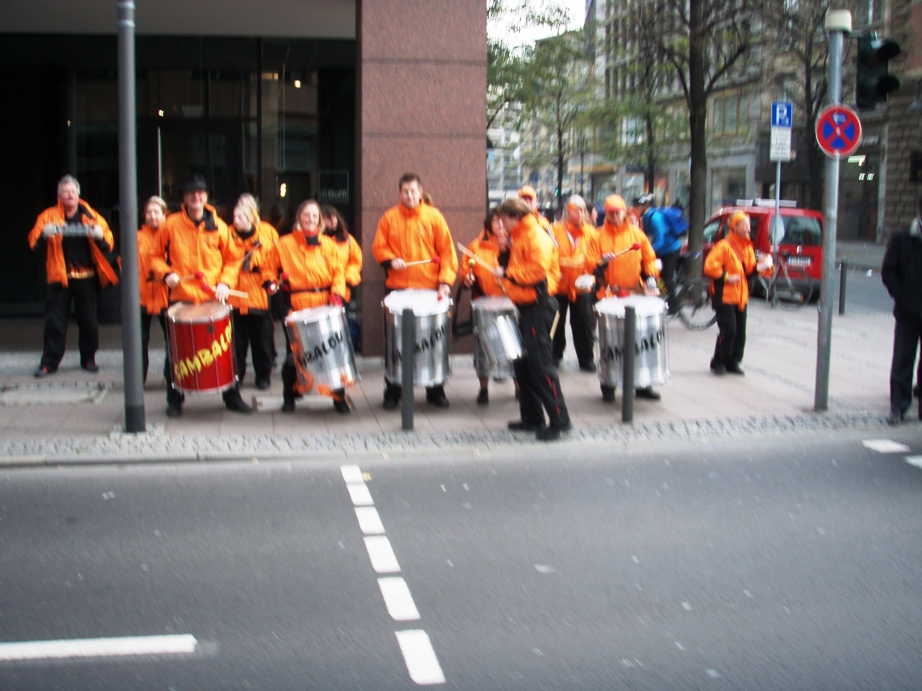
(481, 281)
(252, 240)
(349, 250)
(729, 264)
(154, 293)
(313, 275)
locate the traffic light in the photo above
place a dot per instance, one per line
(874, 82)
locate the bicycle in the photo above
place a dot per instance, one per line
(789, 286)
(693, 302)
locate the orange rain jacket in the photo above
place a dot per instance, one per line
(187, 247)
(487, 249)
(314, 271)
(531, 260)
(252, 253)
(732, 255)
(54, 250)
(414, 235)
(350, 254)
(154, 293)
(625, 270)
(574, 246)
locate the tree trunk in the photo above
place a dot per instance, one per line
(698, 204)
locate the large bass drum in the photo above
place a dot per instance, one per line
(432, 362)
(498, 341)
(651, 356)
(201, 347)
(322, 348)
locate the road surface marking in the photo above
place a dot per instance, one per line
(359, 493)
(383, 559)
(885, 446)
(352, 474)
(914, 460)
(422, 663)
(98, 647)
(369, 520)
(397, 597)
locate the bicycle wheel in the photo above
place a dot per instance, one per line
(792, 289)
(695, 309)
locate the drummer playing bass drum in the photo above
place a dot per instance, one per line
(195, 243)
(313, 275)
(414, 246)
(620, 270)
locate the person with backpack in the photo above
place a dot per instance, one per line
(666, 229)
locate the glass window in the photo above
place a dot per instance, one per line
(801, 230)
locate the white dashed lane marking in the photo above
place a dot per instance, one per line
(914, 460)
(885, 446)
(422, 663)
(98, 647)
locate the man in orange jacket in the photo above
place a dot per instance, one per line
(194, 240)
(524, 270)
(412, 232)
(74, 238)
(633, 271)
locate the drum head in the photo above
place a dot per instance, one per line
(422, 302)
(493, 303)
(187, 313)
(644, 305)
(313, 314)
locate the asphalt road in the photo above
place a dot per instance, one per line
(762, 563)
(865, 292)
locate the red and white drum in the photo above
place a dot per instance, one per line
(201, 347)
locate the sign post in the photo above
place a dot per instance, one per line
(780, 150)
(838, 132)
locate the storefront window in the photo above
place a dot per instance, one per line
(727, 185)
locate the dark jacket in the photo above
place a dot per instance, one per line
(902, 270)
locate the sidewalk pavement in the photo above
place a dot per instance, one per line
(775, 396)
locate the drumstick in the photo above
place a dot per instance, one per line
(231, 291)
(434, 260)
(474, 257)
(197, 275)
(632, 248)
(554, 325)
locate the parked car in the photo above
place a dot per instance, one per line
(801, 235)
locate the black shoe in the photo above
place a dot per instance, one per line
(519, 426)
(648, 393)
(43, 371)
(553, 433)
(608, 394)
(236, 403)
(288, 407)
(718, 368)
(483, 398)
(894, 419)
(391, 398)
(262, 383)
(588, 367)
(437, 397)
(734, 369)
(174, 410)
(341, 405)
(90, 366)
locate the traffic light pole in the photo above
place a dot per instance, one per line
(838, 23)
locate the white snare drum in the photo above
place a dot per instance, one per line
(498, 341)
(584, 283)
(322, 347)
(431, 359)
(651, 358)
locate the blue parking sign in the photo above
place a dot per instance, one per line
(782, 114)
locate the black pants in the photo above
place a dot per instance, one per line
(82, 291)
(538, 383)
(253, 331)
(731, 337)
(145, 339)
(906, 337)
(581, 325)
(670, 261)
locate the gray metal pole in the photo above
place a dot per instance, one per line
(837, 23)
(407, 366)
(128, 221)
(627, 353)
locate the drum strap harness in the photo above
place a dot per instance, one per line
(312, 290)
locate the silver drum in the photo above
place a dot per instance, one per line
(651, 356)
(432, 363)
(498, 341)
(322, 347)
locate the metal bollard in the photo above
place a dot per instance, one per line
(627, 378)
(843, 269)
(407, 366)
